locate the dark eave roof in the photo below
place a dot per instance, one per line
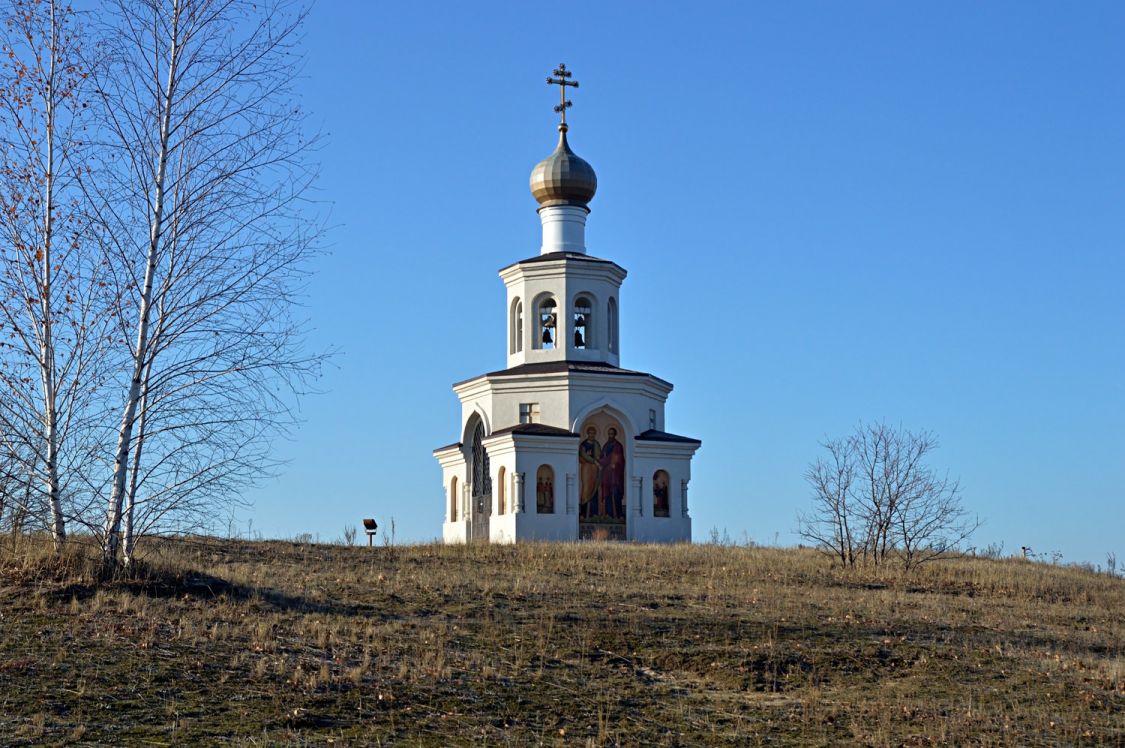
(575, 256)
(542, 429)
(558, 367)
(652, 435)
(537, 429)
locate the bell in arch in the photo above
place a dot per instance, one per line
(546, 335)
(578, 341)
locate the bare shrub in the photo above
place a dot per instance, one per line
(875, 499)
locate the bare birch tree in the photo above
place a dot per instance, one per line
(875, 499)
(205, 220)
(830, 523)
(19, 496)
(52, 306)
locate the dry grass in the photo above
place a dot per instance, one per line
(594, 644)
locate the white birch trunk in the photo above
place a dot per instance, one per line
(141, 351)
(47, 349)
(130, 537)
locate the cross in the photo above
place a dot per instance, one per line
(562, 82)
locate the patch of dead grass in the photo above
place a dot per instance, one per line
(545, 644)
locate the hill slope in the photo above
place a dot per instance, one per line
(555, 644)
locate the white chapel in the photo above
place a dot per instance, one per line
(563, 443)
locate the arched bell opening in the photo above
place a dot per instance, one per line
(515, 327)
(546, 324)
(583, 321)
(611, 326)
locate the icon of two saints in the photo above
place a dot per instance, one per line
(601, 481)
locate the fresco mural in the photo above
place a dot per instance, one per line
(545, 490)
(601, 480)
(660, 507)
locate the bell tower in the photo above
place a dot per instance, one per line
(563, 443)
(564, 304)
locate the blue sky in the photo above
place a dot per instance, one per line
(830, 212)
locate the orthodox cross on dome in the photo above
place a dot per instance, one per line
(562, 82)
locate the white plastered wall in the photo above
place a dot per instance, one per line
(453, 466)
(502, 464)
(675, 459)
(566, 400)
(561, 454)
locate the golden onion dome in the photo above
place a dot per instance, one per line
(563, 178)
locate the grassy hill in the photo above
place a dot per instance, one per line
(595, 644)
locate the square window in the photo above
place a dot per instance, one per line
(529, 412)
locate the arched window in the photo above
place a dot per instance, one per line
(515, 345)
(583, 327)
(453, 499)
(612, 319)
(547, 319)
(545, 490)
(500, 493)
(660, 506)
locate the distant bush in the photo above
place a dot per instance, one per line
(875, 499)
